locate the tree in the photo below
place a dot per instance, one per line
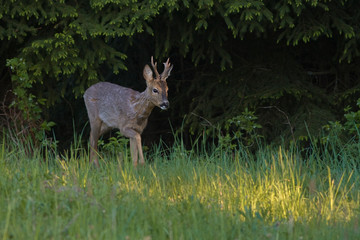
(293, 62)
(61, 46)
(269, 56)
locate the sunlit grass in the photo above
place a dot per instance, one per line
(274, 194)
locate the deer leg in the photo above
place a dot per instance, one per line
(94, 136)
(135, 145)
(134, 151)
(139, 146)
(93, 148)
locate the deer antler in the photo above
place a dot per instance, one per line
(155, 68)
(167, 68)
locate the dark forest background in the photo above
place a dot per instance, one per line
(244, 70)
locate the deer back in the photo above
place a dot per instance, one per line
(114, 105)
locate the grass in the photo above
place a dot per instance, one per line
(274, 194)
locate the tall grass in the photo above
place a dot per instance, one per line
(277, 193)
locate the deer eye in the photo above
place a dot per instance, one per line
(155, 90)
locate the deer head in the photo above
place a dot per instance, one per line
(157, 89)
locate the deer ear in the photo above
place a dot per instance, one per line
(148, 74)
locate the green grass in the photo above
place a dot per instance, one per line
(273, 194)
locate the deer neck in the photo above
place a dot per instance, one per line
(143, 106)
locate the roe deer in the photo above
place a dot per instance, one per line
(113, 106)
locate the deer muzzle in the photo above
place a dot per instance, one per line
(164, 105)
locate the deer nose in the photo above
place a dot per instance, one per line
(164, 105)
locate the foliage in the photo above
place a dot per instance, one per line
(344, 132)
(290, 61)
(115, 145)
(242, 128)
(349, 126)
(352, 123)
(26, 102)
(206, 26)
(22, 117)
(273, 194)
(58, 39)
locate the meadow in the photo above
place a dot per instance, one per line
(277, 192)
